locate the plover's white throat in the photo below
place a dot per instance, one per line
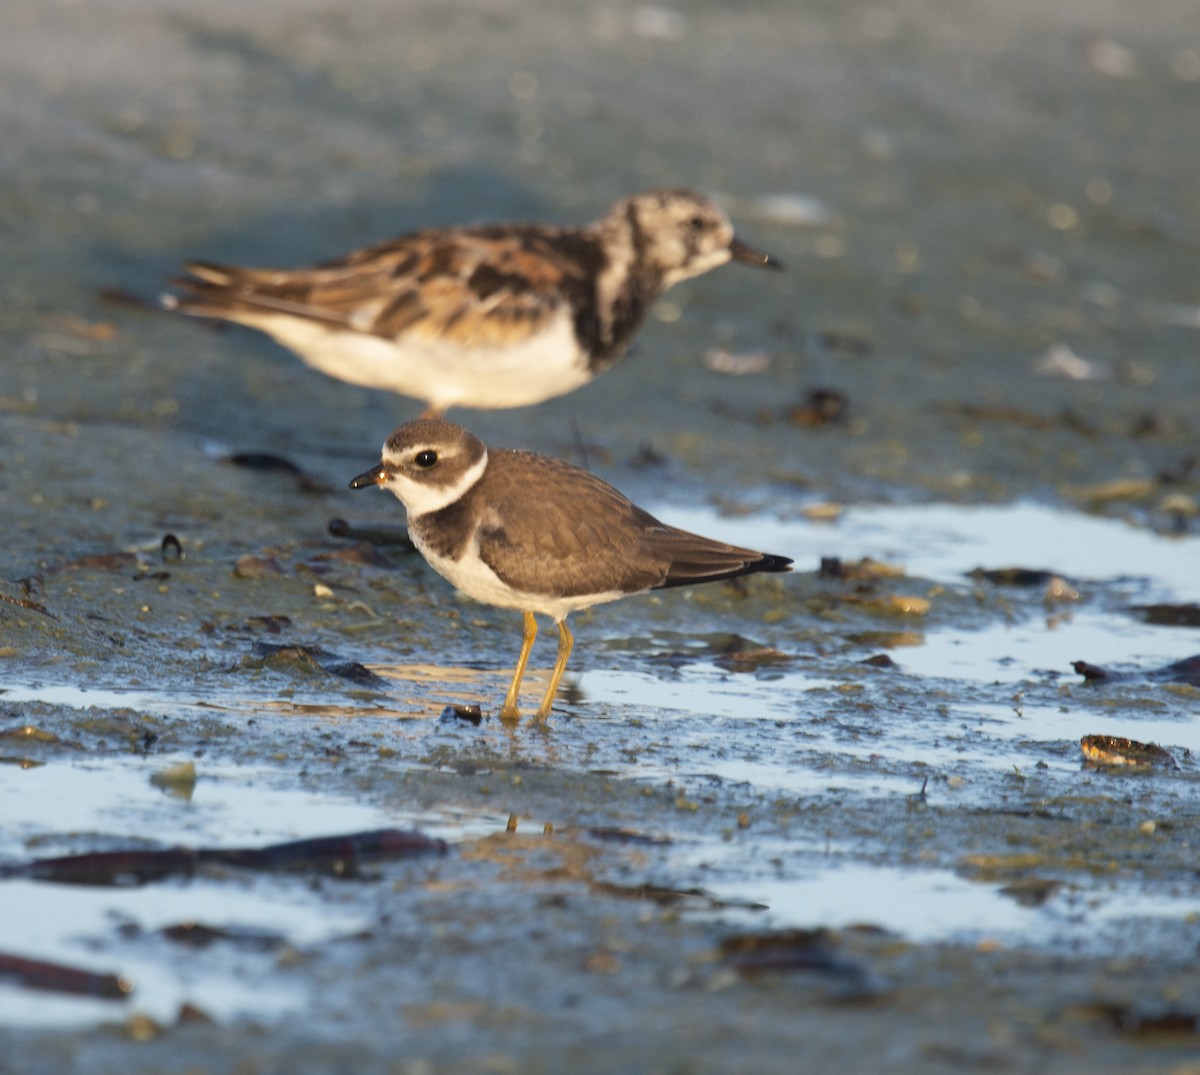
(494, 316)
(526, 531)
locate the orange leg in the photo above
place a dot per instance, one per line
(565, 641)
(510, 711)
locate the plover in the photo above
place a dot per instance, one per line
(494, 316)
(525, 531)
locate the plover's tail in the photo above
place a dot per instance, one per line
(697, 559)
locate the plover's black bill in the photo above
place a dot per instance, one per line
(747, 255)
(368, 477)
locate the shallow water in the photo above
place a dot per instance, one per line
(937, 906)
(944, 542)
(59, 808)
(754, 734)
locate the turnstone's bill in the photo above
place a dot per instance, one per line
(525, 531)
(494, 316)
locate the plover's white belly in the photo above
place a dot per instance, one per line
(474, 578)
(442, 372)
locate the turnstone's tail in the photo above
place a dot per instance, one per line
(224, 292)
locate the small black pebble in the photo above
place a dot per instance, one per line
(471, 714)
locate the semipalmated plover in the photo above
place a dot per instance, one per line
(493, 316)
(530, 532)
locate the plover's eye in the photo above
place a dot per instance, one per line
(426, 459)
(696, 223)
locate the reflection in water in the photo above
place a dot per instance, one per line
(417, 691)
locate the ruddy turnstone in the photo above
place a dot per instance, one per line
(494, 316)
(530, 532)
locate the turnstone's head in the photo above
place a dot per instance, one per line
(428, 464)
(681, 234)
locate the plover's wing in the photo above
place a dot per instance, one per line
(694, 558)
(552, 528)
(477, 287)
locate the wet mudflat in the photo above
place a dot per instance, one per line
(840, 819)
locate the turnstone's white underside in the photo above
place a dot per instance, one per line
(547, 364)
